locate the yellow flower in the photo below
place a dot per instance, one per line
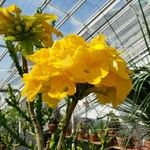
(51, 102)
(62, 53)
(27, 31)
(72, 60)
(89, 67)
(38, 26)
(113, 89)
(40, 56)
(60, 87)
(35, 79)
(7, 14)
(98, 42)
(32, 86)
(46, 79)
(119, 66)
(65, 50)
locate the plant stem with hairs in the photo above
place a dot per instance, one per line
(21, 70)
(70, 108)
(72, 102)
(38, 129)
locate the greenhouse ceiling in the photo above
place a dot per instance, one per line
(119, 20)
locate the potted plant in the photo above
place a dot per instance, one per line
(113, 124)
(93, 133)
(122, 138)
(94, 136)
(82, 131)
(126, 140)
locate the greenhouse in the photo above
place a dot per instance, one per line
(74, 74)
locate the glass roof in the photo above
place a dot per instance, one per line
(116, 19)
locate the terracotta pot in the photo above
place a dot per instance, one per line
(83, 136)
(112, 132)
(80, 136)
(86, 136)
(121, 141)
(133, 149)
(94, 137)
(144, 148)
(147, 144)
(136, 143)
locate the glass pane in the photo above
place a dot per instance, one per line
(60, 4)
(6, 62)
(87, 9)
(53, 10)
(115, 9)
(123, 19)
(70, 26)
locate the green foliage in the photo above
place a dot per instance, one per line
(26, 47)
(9, 128)
(13, 55)
(123, 132)
(10, 118)
(13, 101)
(137, 104)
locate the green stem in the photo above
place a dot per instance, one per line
(12, 101)
(23, 114)
(37, 127)
(38, 107)
(70, 109)
(13, 55)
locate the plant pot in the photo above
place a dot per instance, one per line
(86, 136)
(94, 137)
(83, 136)
(80, 136)
(112, 132)
(133, 149)
(136, 143)
(121, 141)
(144, 148)
(147, 143)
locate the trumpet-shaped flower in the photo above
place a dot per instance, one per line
(48, 81)
(70, 61)
(113, 89)
(89, 67)
(51, 102)
(32, 86)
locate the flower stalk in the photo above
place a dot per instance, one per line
(70, 108)
(37, 127)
